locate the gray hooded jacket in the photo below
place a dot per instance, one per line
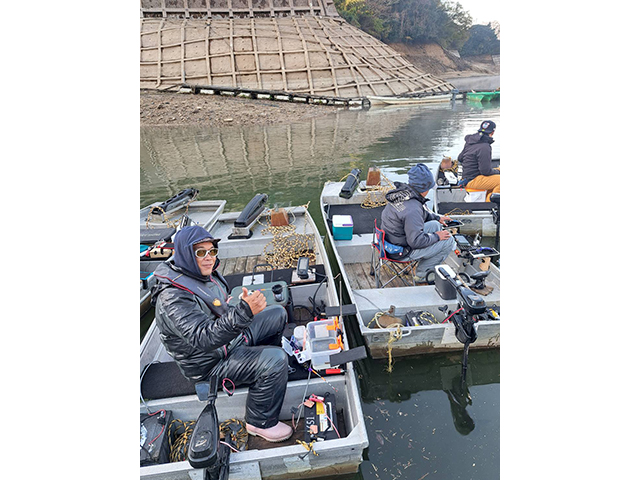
(404, 217)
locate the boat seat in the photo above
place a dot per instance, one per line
(165, 380)
(475, 195)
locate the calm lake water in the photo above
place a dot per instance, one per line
(421, 424)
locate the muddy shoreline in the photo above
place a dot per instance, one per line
(165, 109)
(173, 109)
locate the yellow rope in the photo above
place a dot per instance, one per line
(376, 194)
(428, 317)
(394, 335)
(457, 211)
(287, 246)
(241, 438)
(182, 433)
(308, 446)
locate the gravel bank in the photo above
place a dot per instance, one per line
(168, 108)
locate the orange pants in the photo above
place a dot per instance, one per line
(491, 184)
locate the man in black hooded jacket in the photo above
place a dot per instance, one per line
(199, 330)
(475, 159)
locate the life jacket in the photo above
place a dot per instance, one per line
(215, 298)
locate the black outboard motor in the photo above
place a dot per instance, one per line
(351, 184)
(205, 450)
(495, 212)
(205, 440)
(249, 216)
(178, 200)
(471, 304)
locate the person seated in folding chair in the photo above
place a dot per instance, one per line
(408, 223)
(475, 159)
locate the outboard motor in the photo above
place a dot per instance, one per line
(495, 212)
(178, 200)
(205, 440)
(351, 184)
(205, 450)
(471, 304)
(248, 217)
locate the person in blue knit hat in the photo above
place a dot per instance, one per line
(409, 224)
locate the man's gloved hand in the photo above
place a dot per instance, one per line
(256, 301)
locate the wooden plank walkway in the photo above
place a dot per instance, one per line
(234, 266)
(360, 279)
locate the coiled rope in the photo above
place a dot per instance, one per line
(287, 246)
(180, 433)
(376, 194)
(395, 334)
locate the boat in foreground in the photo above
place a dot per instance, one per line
(434, 331)
(475, 214)
(250, 242)
(159, 223)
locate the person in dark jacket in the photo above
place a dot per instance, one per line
(475, 159)
(200, 330)
(408, 223)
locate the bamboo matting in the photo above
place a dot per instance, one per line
(314, 55)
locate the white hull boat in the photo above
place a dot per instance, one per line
(412, 100)
(242, 263)
(158, 227)
(476, 215)
(354, 257)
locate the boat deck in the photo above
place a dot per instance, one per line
(245, 265)
(361, 279)
(258, 443)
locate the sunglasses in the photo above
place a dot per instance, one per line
(201, 252)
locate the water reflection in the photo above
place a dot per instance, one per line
(421, 418)
(292, 162)
(459, 399)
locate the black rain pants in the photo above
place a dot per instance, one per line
(262, 364)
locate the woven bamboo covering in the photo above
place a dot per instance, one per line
(311, 54)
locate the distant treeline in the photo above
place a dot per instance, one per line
(420, 21)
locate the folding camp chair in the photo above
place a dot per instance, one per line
(380, 260)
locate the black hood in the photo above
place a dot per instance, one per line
(474, 138)
(184, 258)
